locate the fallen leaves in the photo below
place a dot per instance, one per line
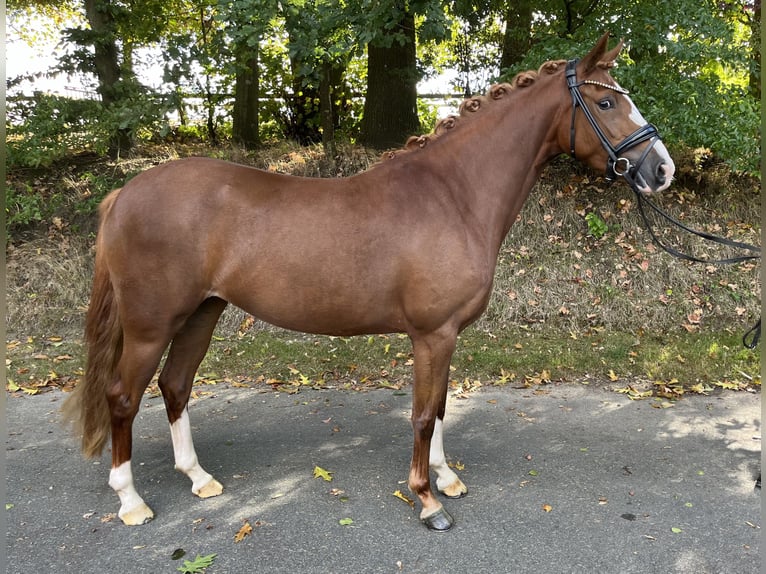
(326, 475)
(633, 393)
(398, 494)
(198, 565)
(246, 530)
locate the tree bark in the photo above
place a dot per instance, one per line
(107, 67)
(246, 101)
(390, 106)
(518, 33)
(755, 51)
(326, 111)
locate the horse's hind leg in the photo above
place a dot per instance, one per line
(137, 366)
(186, 353)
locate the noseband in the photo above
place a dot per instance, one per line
(616, 165)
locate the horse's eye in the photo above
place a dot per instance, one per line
(606, 104)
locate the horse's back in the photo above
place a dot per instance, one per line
(337, 256)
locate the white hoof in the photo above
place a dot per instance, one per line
(141, 514)
(211, 488)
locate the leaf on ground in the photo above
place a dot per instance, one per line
(178, 553)
(319, 472)
(700, 389)
(345, 521)
(662, 405)
(676, 530)
(634, 394)
(198, 565)
(547, 507)
(398, 494)
(246, 530)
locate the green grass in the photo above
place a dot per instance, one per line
(289, 361)
(282, 358)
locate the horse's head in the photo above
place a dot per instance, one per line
(606, 128)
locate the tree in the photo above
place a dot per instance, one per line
(321, 45)
(390, 105)
(517, 37)
(388, 29)
(245, 22)
(101, 17)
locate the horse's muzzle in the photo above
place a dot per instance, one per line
(655, 173)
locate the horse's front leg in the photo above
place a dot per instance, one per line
(186, 353)
(447, 482)
(433, 353)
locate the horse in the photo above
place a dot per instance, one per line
(408, 246)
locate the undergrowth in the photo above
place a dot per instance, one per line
(577, 268)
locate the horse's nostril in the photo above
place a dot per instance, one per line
(661, 173)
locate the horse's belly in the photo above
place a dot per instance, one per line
(320, 308)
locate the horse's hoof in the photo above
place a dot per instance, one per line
(212, 488)
(137, 516)
(440, 520)
(455, 490)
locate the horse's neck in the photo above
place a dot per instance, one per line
(500, 155)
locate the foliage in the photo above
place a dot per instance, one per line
(686, 66)
(44, 128)
(596, 226)
(198, 565)
(690, 64)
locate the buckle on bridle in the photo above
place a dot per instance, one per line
(621, 166)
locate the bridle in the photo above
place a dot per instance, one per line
(620, 166)
(616, 165)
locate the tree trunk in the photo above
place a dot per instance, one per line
(518, 33)
(755, 51)
(246, 101)
(326, 111)
(390, 106)
(107, 67)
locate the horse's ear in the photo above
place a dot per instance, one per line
(599, 54)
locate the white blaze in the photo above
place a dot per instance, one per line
(659, 147)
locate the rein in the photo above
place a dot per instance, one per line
(621, 167)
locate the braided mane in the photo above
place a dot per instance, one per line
(472, 105)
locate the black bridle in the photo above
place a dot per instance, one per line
(620, 166)
(616, 165)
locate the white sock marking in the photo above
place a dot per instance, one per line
(121, 480)
(445, 476)
(185, 455)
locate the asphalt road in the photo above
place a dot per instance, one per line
(576, 479)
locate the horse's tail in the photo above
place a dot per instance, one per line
(87, 408)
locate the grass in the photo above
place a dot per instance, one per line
(569, 303)
(289, 361)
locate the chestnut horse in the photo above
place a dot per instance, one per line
(409, 246)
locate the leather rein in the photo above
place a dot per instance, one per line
(619, 166)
